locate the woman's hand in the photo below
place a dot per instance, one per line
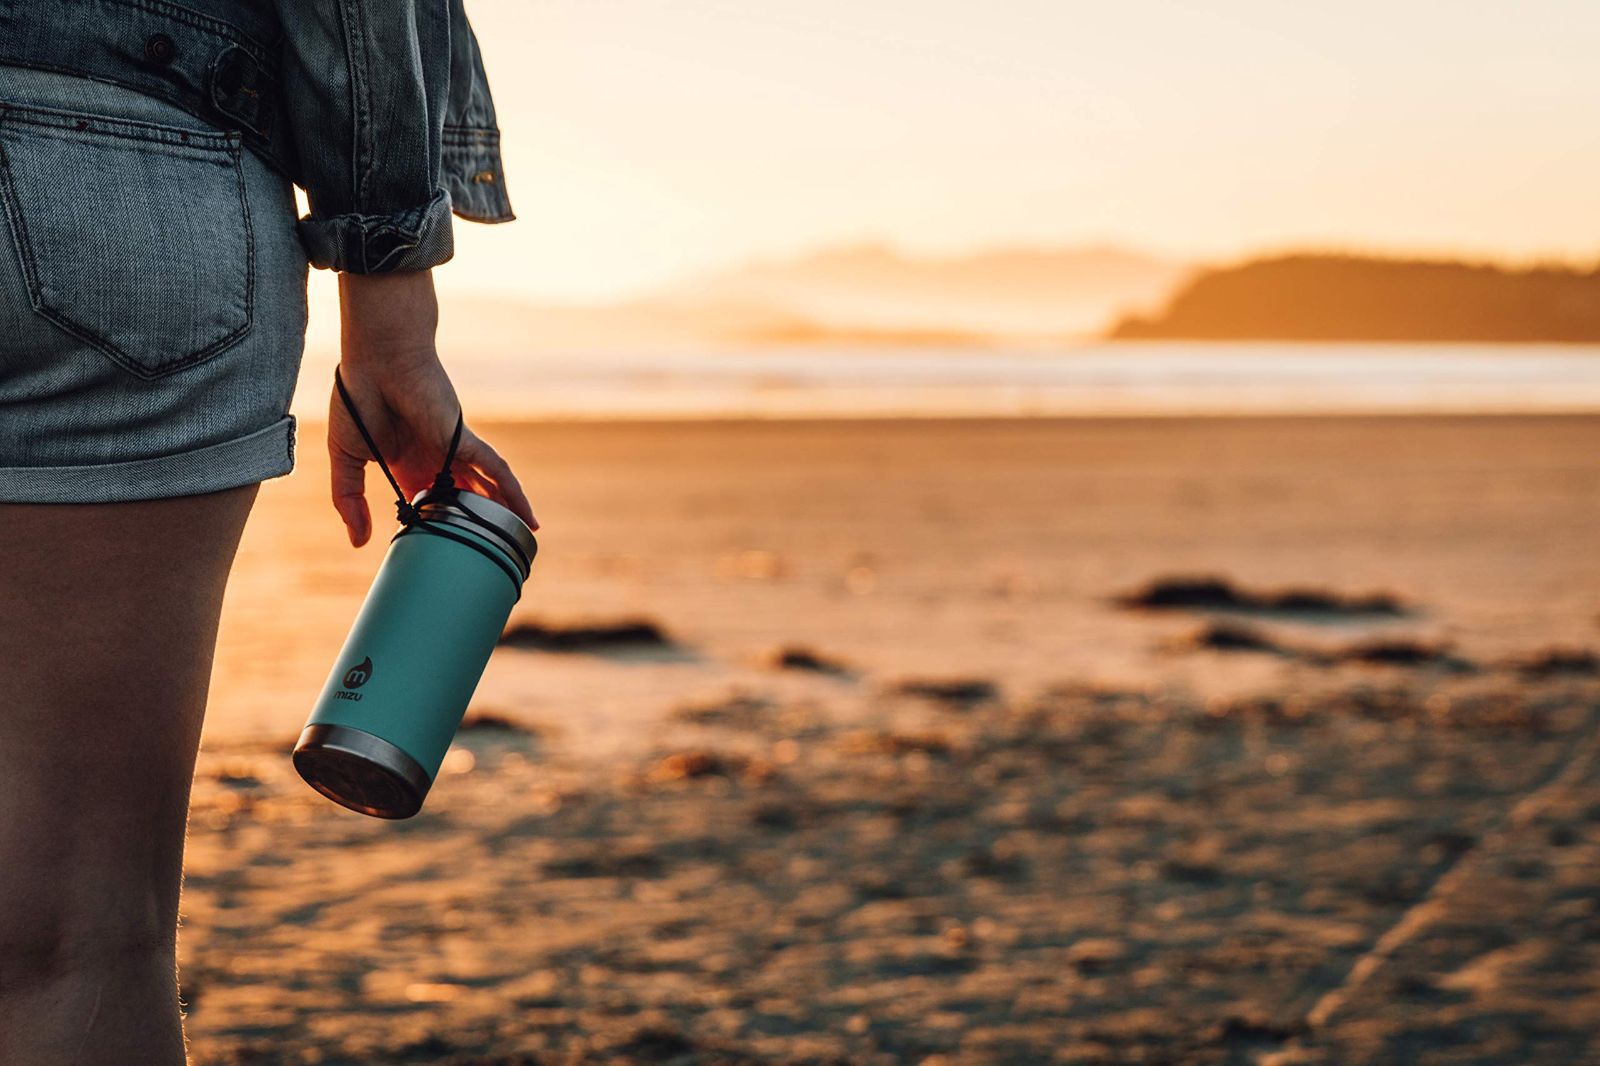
(392, 371)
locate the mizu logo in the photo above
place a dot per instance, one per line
(354, 678)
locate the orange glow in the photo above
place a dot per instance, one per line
(646, 142)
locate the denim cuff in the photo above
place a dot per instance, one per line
(259, 456)
(473, 175)
(414, 239)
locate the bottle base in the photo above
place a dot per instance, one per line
(361, 771)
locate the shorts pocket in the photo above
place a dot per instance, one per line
(133, 237)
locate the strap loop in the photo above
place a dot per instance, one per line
(443, 483)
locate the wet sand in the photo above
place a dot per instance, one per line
(902, 781)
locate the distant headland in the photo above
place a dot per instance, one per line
(1320, 297)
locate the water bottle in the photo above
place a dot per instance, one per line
(419, 646)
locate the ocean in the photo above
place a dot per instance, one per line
(1091, 379)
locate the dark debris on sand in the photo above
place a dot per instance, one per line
(585, 636)
(1399, 651)
(798, 657)
(1206, 593)
(1555, 662)
(491, 722)
(955, 691)
(1229, 636)
(1379, 651)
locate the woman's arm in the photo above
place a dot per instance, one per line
(395, 129)
(393, 372)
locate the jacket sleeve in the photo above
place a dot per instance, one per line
(394, 128)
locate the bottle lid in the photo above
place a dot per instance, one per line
(481, 515)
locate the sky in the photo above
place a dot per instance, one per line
(648, 140)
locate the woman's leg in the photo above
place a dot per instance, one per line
(108, 624)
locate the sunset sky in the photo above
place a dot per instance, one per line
(648, 140)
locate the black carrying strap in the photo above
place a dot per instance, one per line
(443, 483)
(443, 487)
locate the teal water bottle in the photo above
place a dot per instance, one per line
(399, 687)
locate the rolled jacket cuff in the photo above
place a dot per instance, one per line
(473, 175)
(415, 239)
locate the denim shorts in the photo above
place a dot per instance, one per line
(152, 299)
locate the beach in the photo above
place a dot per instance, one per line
(1156, 740)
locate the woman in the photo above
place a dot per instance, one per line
(152, 316)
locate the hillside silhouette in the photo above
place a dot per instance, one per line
(1357, 298)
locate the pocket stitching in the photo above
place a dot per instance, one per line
(24, 247)
(128, 129)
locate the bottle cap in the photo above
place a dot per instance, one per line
(479, 514)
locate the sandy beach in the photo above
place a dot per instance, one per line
(928, 745)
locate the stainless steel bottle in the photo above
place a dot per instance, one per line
(414, 656)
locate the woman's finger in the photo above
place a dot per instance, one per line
(477, 451)
(349, 484)
(469, 477)
(473, 481)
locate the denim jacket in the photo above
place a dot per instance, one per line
(379, 109)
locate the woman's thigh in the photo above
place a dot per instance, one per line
(108, 623)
